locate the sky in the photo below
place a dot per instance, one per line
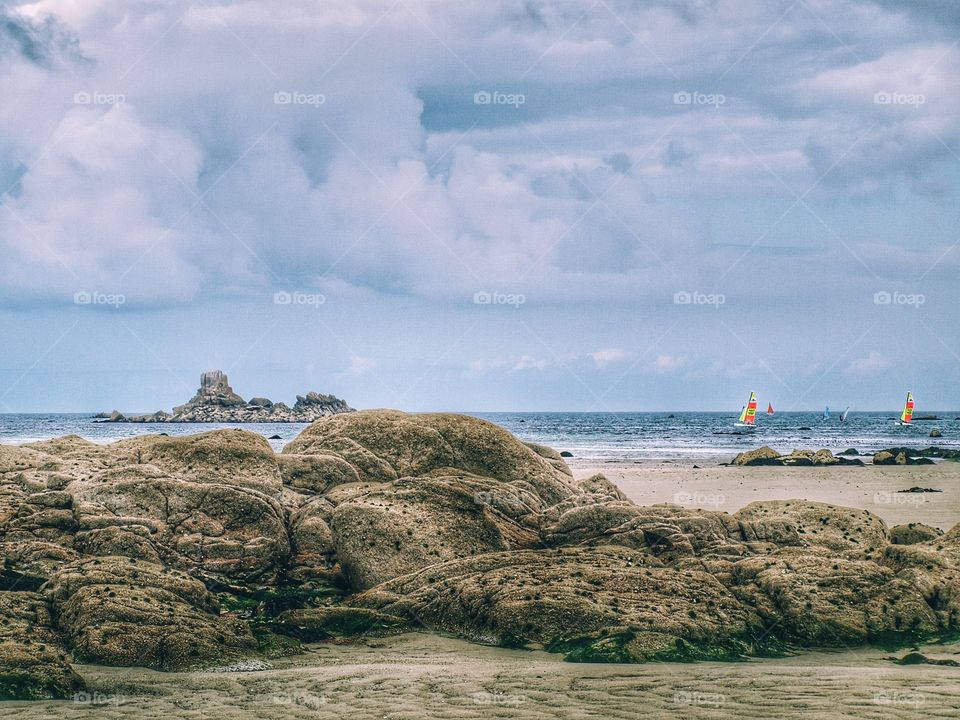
(504, 205)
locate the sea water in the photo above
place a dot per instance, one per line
(591, 436)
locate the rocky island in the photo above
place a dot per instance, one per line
(216, 402)
(212, 550)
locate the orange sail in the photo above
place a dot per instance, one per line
(769, 409)
(907, 415)
(749, 416)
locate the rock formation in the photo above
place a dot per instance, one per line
(216, 402)
(182, 552)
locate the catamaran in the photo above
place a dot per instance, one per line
(906, 417)
(748, 416)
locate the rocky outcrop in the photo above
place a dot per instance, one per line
(216, 401)
(798, 458)
(184, 552)
(33, 662)
(122, 611)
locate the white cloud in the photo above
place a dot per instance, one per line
(868, 366)
(608, 356)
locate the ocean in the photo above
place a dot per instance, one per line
(590, 436)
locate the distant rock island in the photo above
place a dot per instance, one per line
(216, 402)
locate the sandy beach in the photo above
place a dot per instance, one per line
(711, 486)
(417, 676)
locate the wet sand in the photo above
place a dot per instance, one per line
(418, 676)
(713, 487)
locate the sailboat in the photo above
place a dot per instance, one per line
(826, 413)
(843, 417)
(906, 417)
(769, 408)
(748, 416)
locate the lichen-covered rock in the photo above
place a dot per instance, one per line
(235, 533)
(384, 530)
(315, 474)
(384, 445)
(228, 457)
(802, 522)
(671, 531)
(819, 599)
(913, 533)
(33, 662)
(598, 603)
(761, 456)
(121, 611)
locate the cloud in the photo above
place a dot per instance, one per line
(361, 365)
(608, 356)
(868, 366)
(669, 363)
(528, 362)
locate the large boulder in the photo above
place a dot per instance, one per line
(913, 533)
(384, 445)
(228, 457)
(233, 533)
(819, 599)
(598, 603)
(121, 611)
(33, 662)
(384, 530)
(761, 456)
(806, 523)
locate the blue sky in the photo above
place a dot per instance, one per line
(481, 206)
